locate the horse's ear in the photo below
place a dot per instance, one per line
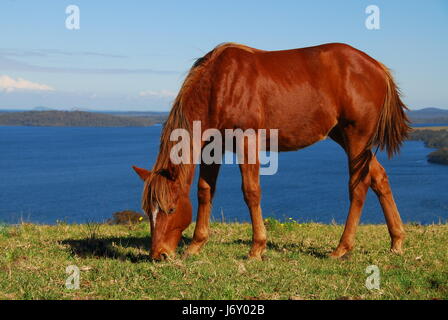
(142, 173)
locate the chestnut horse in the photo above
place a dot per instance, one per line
(308, 94)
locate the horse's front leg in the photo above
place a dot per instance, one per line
(252, 196)
(206, 189)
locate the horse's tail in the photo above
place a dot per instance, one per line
(392, 128)
(393, 124)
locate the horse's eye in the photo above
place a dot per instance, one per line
(171, 210)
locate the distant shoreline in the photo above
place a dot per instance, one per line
(424, 119)
(433, 137)
(79, 119)
(435, 128)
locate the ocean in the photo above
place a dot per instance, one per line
(79, 175)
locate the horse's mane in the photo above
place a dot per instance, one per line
(156, 187)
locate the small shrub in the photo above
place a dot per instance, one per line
(127, 217)
(273, 224)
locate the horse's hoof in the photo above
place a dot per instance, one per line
(397, 251)
(255, 256)
(189, 253)
(186, 255)
(340, 254)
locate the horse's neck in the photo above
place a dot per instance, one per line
(187, 180)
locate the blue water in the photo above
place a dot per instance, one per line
(50, 174)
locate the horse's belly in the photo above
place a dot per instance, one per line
(299, 138)
(297, 130)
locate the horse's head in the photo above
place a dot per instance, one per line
(168, 207)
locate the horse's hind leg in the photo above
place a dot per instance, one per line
(358, 185)
(374, 176)
(380, 185)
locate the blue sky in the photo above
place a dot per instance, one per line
(133, 55)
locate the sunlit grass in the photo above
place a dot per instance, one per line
(114, 263)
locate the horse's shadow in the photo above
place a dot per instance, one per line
(114, 247)
(319, 253)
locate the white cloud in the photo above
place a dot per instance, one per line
(9, 84)
(161, 93)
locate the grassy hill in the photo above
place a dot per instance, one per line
(76, 119)
(114, 263)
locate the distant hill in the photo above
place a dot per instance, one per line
(41, 108)
(75, 119)
(41, 116)
(160, 114)
(428, 115)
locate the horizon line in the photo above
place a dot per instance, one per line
(42, 108)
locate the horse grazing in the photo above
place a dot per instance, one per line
(308, 94)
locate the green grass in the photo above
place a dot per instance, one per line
(114, 263)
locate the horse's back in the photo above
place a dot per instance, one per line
(302, 92)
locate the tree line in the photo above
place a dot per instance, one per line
(437, 139)
(76, 119)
